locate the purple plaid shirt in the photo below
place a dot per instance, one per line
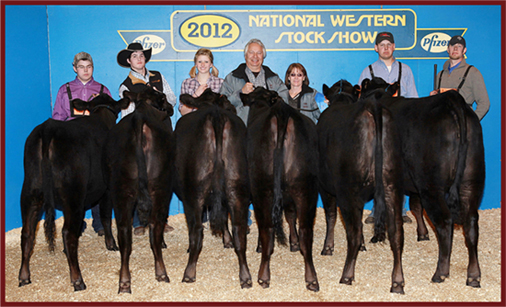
(190, 85)
(61, 110)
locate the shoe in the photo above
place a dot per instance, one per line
(369, 220)
(139, 231)
(168, 228)
(100, 233)
(406, 219)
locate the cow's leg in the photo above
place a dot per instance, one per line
(161, 201)
(351, 211)
(70, 233)
(196, 234)
(31, 205)
(434, 203)
(470, 198)
(106, 218)
(396, 237)
(291, 219)
(124, 225)
(239, 216)
(227, 237)
(330, 207)
(306, 209)
(416, 208)
(263, 216)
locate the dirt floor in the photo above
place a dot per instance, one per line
(218, 270)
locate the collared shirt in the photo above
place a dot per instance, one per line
(171, 98)
(450, 69)
(408, 88)
(190, 85)
(61, 110)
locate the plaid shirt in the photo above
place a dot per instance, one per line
(190, 85)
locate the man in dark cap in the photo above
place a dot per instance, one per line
(136, 58)
(462, 77)
(390, 70)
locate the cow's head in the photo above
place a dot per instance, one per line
(102, 101)
(378, 85)
(342, 92)
(259, 96)
(151, 97)
(207, 98)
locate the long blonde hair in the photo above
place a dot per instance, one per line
(209, 54)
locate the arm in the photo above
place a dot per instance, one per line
(231, 88)
(480, 94)
(61, 110)
(171, 98)
(409, 87)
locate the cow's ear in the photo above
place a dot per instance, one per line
(170, 110)
(124, 103)
(365, 84)
(325, 89)
(129, 95)
(80, 105)
(245, 99)
(395, 88)
(356, 90)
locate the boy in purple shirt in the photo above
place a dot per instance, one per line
(85, 88)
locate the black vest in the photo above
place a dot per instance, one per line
(136, 85)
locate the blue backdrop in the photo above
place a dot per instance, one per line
(330, 41)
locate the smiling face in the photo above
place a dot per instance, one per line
(84, 70)
(137, 61)
(203, 63)
(254, 57)
(296, 78)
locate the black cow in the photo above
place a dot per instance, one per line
(359, 161)
(138, 167)
(444, 167)
(212, 174)
(63, 171)
(283, 163)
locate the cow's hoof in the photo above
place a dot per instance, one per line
(423, 238)
(164, 245)
(295, 247)
(188, 279)
(246, 284)
(346, 281)
(164, 278)
(264, 283)
(313, 286)
(24, 282)
(397, 288)
(112, 247)
(378, 238)
(327, 251)
(259, 249)
(124, 287)
(228, 245)
(79, 286)
(362, 248)
(439, 279)
(473, 282)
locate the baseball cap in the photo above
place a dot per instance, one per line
(384, 36)
(457, 39)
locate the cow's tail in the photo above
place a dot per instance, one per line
(46, 150)
(453, 199)
(218, 213)
(143, 141)
(379, 188)
(277, 210)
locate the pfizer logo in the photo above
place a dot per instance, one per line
(151, 41)
(435, 42)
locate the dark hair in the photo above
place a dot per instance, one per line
(299, 67)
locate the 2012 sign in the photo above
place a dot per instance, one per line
(209, 31)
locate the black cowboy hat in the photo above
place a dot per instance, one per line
(124, 54)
